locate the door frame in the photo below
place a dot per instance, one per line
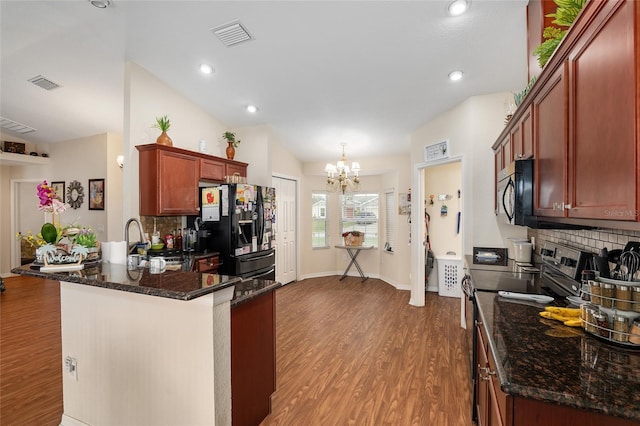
(418, 201)
(296, 217)
(14, 261)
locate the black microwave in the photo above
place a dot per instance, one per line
(515, 194)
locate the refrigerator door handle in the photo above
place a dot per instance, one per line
(251, 259)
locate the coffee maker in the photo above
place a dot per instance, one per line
(199, 236)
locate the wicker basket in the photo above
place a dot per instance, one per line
(353, 240)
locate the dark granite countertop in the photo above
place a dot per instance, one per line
(542, 359)
(181, 285)
(250, 289)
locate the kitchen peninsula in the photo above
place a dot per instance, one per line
(141, 348)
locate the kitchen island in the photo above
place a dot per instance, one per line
(141, 348)
(549, 374)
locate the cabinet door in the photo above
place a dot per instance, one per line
(507, 151)
(168, 181)
(550, 133)
(178, 189)
(516, 142)
(236, 168)
(208, 264)
(212, 170)
(482, 382)
(527, 133)
(602, 161)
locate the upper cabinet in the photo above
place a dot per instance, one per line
(603, 107)
(550, 129)
(580, 119)
(169, 178)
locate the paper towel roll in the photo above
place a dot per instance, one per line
(114, 252)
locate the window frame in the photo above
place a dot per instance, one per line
(320, 219)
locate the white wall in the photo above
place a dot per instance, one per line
(390, 172)
(471, 128)
(445, 179)
(79, 159)
(147, 97)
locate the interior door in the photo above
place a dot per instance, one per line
(286, 229)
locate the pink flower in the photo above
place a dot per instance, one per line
(48, 201)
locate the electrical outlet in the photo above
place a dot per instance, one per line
(71, 367)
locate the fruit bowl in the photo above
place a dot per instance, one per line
(158, 246)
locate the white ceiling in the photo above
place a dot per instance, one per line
(367, 73)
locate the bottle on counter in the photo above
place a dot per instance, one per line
(177, 243)
(168, 240)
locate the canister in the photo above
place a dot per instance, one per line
(635, 295)
(607, 292)
(635, 332)
(620, 328)
(595, 291)
(623, 297)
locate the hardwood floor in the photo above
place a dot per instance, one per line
(30, 353)
(352, 353)
(348, 353)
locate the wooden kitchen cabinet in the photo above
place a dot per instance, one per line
(168, 181)
(603, 109)
(253, 359)
(522, 136)
(207, 264)
(492, 404)
(580, 120)
(169, 178)
(551, 133)
(212, 170)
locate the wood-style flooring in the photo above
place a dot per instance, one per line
(347, 353)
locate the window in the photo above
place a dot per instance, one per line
(319, 219)
(389, 222)
(360, 213)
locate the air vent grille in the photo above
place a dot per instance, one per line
(43, 82)
(232, 34)
(15, 127)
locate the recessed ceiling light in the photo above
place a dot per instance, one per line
(458, 7)
(252, 108)
(206, 68)
(100, 4)
(455, 75)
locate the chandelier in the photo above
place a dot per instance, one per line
(338, 175)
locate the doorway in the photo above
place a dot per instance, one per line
(451, 227)
(25, 216)
(286, 229)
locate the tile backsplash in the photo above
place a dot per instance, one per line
(587, 240)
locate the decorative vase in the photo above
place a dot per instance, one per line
(164, 139)
(231, 151)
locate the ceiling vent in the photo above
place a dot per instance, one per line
(15, 127)
(231, 34)
(45, 83)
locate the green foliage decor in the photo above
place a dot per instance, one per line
(566, 13)
(231, 137)
(162, 123)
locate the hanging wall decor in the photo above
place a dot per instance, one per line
(75, 196)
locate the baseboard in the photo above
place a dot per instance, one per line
(356, 275)
(70, 421)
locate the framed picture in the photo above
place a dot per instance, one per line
(437, 151)
(14, 147)
(58, 189)
(96, 194)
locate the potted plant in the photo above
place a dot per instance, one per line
(163, 124)
(566, 13)
(232, 144)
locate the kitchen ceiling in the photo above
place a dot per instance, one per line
(368, 73)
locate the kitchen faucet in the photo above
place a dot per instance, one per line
(126, 233)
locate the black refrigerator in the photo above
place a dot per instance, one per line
(241, 219)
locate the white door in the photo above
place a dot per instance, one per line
(286, 248)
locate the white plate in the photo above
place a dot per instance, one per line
(538, 298)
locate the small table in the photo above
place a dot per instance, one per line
(354, 251)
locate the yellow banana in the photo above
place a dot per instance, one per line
(573, 323)
(565, 312)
